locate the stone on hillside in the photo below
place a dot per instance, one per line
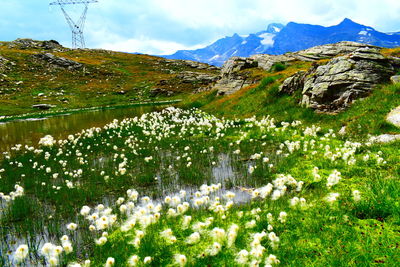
(59, 62)
(332, 87)
(395, 79)
(43, 106)
(394, 117)
(232, 78)
(196, 77)
(290, 85)
(385, 138)
(34, 44)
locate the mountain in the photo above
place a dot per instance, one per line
(279, 39)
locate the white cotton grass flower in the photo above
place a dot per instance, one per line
(242, 257)
(147, 260)
(53, 261)
(214, 249)
(133, 260)
(232, 234)
(85, 211)
(72, 226)
(271, 260)
(332, 197)
(110, 262)
(193, 238)
(333, 179)
(356, 195)
(180, 259)
(21, 253)
(282, 217)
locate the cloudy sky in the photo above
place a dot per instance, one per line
(164, 26)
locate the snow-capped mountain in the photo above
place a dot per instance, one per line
(279, 39)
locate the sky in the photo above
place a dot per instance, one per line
(161, 27)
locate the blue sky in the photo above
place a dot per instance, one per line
(164, 26)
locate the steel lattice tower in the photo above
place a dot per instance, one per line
(78, 41)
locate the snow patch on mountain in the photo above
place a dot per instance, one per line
(268, 39)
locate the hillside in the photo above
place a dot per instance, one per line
(273, 160)
(279, 39)
(36, 72)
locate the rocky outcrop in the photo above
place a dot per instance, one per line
(232, 81)
(34, 44)
(332, 87)
(5, 64)
(312, 54)
(59, 62)
(291, 84)
(232, 77)
(196, 77)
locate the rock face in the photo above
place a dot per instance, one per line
(332, 87)
(232, 81)
(352, 71)
(395, 79)
(232, 77)
(34, 44)
(59, 62)
(195, 77)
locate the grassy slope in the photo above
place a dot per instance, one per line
(105, 74)
(366, 116)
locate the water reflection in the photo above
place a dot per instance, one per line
(29, 131)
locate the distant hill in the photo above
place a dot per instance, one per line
(279, 39)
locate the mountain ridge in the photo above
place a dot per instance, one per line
(278, 39)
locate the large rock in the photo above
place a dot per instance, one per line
(332, 87)
(312, 54)
(59, 62)
(34, 44)
(232, 81)
(197, 77)
(395, 79)
(394, 117)
(232, 77)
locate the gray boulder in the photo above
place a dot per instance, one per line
(395, 79)
(232, 77)
(59, 62)
(332, 87)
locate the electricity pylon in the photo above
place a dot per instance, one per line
(78, 41)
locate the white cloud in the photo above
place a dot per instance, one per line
(146, 46)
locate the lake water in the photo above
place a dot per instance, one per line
(29, 131)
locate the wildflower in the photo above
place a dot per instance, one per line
(101, 241)
(85, 211)
(214, 249)
(271, 259)
(110, 262)
(147, 260)
(232, 234)
(356, 195)
(72, 226)
(250, 224)
(53, 261)
(218, 234)
(331, 197)
(47, 249)
(333, 178)
(133, 261)
(180, 259)
(21, 253)
(193, 238)
(242, 257)
(282, 217)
